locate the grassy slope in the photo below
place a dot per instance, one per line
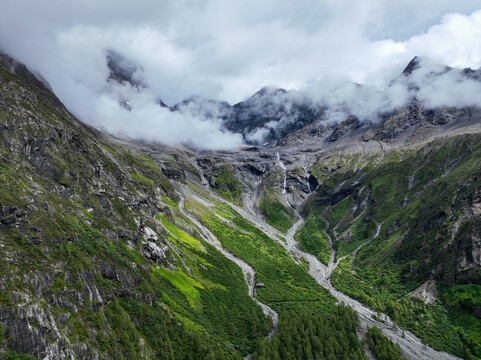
(313, 239)
(277, 214)
(227, 185)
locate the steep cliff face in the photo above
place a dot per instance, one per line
(63, 189)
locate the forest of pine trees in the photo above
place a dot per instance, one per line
(382, 347)
(311, 336)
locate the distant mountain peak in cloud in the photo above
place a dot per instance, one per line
(124, 70)
(413, 65)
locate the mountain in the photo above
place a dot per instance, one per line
(117, 249)
(425, 90)
(271, 114)
(266, 116)
(123, 70)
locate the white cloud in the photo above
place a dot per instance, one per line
(454, 42)
(228, 50)
(150, 122)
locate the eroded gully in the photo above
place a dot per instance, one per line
(247, 269)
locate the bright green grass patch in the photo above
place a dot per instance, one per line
(277, 214)
(180, 234)
(180, 220)
(111, 150)
(169, 202)
(195, 207)
(139, 178)
(187, 285)
(148, 162)
(223, 214)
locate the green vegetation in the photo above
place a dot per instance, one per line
(382, 347)
(81, 206)
(164, 334)
(359, 235)
(142, 179)
(340, 211)
(419, 217)
(464, 295)
(227, 185)
(180, 234)
(383, 290)
(214, 287)
(287, 285)
(277, 214)
(14, 356)
(463, 302)
(306, 310)
(313, 239)
(310, 335)
(187, 285)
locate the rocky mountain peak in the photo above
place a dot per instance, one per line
(124, 70)
(413, 65)
(267, 91)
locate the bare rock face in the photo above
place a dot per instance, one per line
(152, 246)
(471, 246)
(344, 127)
(427, 292)
(267, 116)
(476, 250)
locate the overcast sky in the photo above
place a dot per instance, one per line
(229, 49)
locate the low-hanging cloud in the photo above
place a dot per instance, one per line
(129, 112)
(426, 82)
(228, 50)
(431, 83)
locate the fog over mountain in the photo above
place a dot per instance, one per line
(320, 51)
